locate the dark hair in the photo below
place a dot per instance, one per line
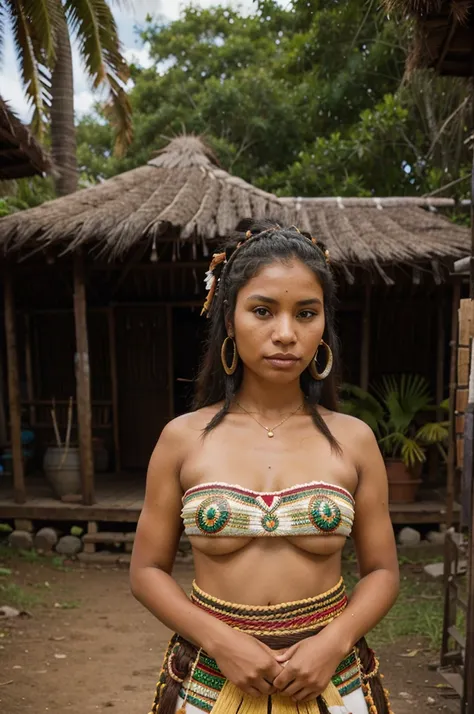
(269, 243)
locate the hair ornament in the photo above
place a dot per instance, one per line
(211, 280)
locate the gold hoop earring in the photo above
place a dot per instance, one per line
(312, 365)
(235, 357)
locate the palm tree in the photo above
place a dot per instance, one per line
(42, 32)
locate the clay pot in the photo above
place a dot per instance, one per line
(402, 482)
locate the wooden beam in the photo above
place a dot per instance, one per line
(29, 370)
(365, 344)
(114, 387)
(82, 364)
(14, 396)
(169, 346)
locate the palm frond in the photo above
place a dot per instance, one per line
(397, 444)
(361, 404)
(119, 112)
(3, 25)
(42, 17)
(433, 432)
(94, 26)
(29, 62)
(404, 396)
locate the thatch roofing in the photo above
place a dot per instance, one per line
(182, 192)
(445, 35)
(20, 154)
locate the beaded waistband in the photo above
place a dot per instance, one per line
(195, 676)
(286, 618)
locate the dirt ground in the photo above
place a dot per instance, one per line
(90, 647)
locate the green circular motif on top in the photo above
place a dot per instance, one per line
(270, 522)
(324, 514)
(213, 515)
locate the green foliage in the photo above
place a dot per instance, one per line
(25, 193)
(305, 99)
(395, 409)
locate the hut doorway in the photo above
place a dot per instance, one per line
(189, 330)
(143, 375)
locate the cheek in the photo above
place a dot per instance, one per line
(249, 332)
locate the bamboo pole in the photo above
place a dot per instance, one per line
(114, 387)
(14, 396)
(84, 412)
(365, 344)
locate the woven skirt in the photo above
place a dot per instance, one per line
(190, 681)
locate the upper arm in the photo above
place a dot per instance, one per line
(159, 527)
(373, 535)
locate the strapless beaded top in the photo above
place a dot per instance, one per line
(315, 508)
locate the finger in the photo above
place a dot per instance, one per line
(253, 691)
(304, 695)
(293, 688)
(265, 687)
(285, 656)
(283, 679)
(310, 698)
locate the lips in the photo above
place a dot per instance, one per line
(282, 360)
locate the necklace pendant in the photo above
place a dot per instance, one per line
(270, 434)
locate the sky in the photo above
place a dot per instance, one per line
(127, 22)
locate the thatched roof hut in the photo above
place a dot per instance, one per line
(444, 34)
(182, 192)
(20, 154)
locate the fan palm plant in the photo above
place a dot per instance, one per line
(42, 31)
(395, 409)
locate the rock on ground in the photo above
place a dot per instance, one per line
(69, 545)
(436, 537)
(409, 536)
(21, 540)
(46, 539)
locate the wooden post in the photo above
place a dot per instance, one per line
(365, 344)
(14, 396)
(169, 339)
(29, 371)
(468, 698)
(452, 446)
(449, 615)
(84, 412)
(3, 413)
(114, 386)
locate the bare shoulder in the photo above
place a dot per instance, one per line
(352, 433)
(186, 428)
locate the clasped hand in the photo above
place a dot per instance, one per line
(301, 672)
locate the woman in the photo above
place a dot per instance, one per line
(268, 480)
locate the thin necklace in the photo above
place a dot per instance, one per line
(269, 430)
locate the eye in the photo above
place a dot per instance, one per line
(307, 314)
(261, 311)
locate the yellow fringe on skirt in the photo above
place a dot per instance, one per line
(232, 700)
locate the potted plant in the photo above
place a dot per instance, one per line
(61, 463)
(396, 409)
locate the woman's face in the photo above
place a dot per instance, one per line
(279, 321)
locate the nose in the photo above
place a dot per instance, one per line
(284, 330)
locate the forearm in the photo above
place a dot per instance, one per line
(372, 598)
(167, 601)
